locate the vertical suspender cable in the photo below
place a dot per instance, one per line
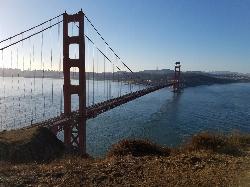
(113, 76)
(31, 90)
(97, 74)
(107, 82)
(59, 65)
(11, 64)
(18, 86)
(93, 76)
(24, 91)
(88, 75)
(58, 29)
(24, 94)
(52, 86)
(107, 78)
(51, 66)
(4, 90)
(42, 63)
(118, 78)
(121, 85)
(1, 96)
(61, 101)
(118, 84)
(34, 76)
(110, 83)
(22, 71)
(59, 76)
(104, 77)
(1, 113)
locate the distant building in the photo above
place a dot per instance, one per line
(196, 72)
(121, 72)
(158, 72)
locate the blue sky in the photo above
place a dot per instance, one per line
(204, 35)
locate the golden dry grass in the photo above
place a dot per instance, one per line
(137, 148)
(231, 144)
(33, 144)
(15, 136)
(141, 163)
(192, 169)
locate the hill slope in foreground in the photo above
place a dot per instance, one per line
(207, 159)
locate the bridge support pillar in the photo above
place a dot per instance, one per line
(177, 77)
(75, 132)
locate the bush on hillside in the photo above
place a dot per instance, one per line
(226, 144)
(137, 148)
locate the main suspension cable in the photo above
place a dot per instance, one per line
(21, 33)
(107, 44)
(30, 35)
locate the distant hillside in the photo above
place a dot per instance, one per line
(191, 79)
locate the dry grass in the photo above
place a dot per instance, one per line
(206, 160)
(137, 148)
(34, 144)
(193, 169)
(231, 144)
(16, 136)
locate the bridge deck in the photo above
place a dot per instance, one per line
(58, 122)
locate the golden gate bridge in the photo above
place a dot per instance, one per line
(85, 62)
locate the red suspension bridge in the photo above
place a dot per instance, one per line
(60, 86)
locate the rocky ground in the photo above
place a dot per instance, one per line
(206, 160)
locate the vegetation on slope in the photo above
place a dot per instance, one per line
(192, 79)
(206, 160)
(29, 145)
(137, 148)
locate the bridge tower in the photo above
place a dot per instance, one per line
(74, 134)
(177, 77)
